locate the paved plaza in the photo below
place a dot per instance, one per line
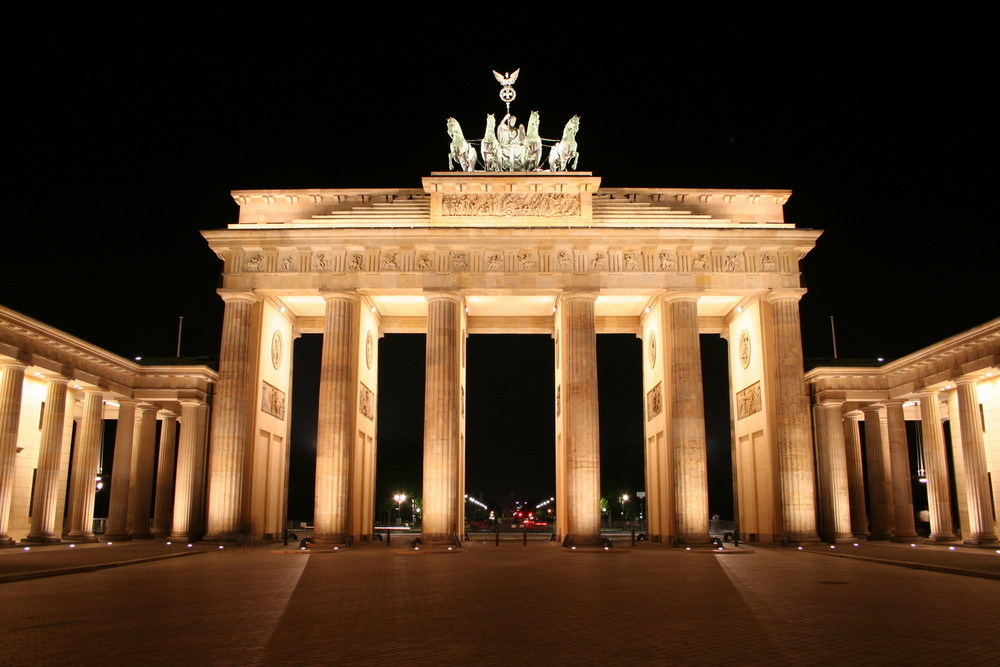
(534, 604)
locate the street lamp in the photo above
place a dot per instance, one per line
(400, 499)
(624, 500)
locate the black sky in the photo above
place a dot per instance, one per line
(126, 132)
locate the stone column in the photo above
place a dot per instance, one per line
(582, 435)
(981, 524)
(230, 414)
(141, 489)
(43, 515)
(935, 459)
(86, 461)
(879, 493)
(855, 475)
(335, 426)
(903, 529)
(11, 385)
(835, 496)
(190, 451)
(442, 429)
(793, 434)
(163, 507)
(687, 420)
(121, 472)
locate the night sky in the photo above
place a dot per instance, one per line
(126, 133)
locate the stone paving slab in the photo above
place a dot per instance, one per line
(17, 563)
(536, 605)
(971, 561)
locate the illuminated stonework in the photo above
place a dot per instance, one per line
(531, 252)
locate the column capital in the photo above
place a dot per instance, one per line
(237, 295)
(873, 407)
(194, 402)
(830, 404)
(330, 295)
(451, 295)
(125, 399)
(785, 294)
(965, 380)
(571, 295)
(12, 363)
(893, 402)
(166, 414)
(667, 297)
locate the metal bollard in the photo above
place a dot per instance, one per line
(525, 527)
(388, 537)
(498, 535)
(633, 537)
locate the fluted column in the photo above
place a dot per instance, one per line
(121, 471)
(11, 385)
(582, 435)
(86, 460)
(981, 525)
(190, 457)
(163, 507)
(335, 427)
(442, 416)
(792, 424)
(141, 489)
(687, 419)
(935, 458)
(855, 474)
(230, 415)
(45, 499)
(903, 529)
(879, 494)
(834, 494)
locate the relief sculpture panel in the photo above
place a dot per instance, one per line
(512, 204)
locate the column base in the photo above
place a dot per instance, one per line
(692, 540)
(83, 537)
(880, 537)
(6, 541)
(117, 537)
(219, 537)
(140, 536)
(583, 541)
(841, 539)
(942, 537)
(439, 540)
(41, 539)
(329, 541)
(981, 541)
(908, 539)
(179, 537)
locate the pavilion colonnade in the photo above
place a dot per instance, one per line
(56, 393)
(953, 390)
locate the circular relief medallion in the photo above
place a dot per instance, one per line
(745, 348)
(652, 349)
(276, 350)
(369, 349)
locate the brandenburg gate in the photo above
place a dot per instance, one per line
(514, 252)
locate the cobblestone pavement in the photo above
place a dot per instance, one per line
(500, 605)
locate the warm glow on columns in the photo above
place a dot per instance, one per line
(335, 423)
(230, 415)
(442, 420)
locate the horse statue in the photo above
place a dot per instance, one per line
(490, 147)
(462, 152)
(532, 144)
(565, 149)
